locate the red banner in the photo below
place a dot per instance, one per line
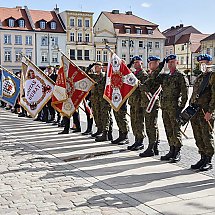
(120, 82)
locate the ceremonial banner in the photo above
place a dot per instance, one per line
(120, 82)
(77, 83)
(36, 89)
(9, 87)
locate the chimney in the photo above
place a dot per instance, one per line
(115, 11)
(181, 25)
(177, 26)
(57, 9)
(172, 27)
(18, 7)
(128, 12)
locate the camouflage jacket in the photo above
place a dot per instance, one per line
(98, 90)
(136, 95)
(207, 99)
(174, 89)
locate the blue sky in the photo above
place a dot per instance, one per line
(165, 13)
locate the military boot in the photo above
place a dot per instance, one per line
(177, 156)
(103, 137)
(138, 145)
(118, 139)
(207, 165)
(97, 133)
(169, 155)
(149, 152)
(199, 163)
(156, 151)
(123, 139)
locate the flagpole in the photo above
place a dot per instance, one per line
(3, 68)
(75, 65)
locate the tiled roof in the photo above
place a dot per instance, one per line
(210, 37)
(48, 16)
(193, 38)
(174, 31)
(16, 13)
(127, 19)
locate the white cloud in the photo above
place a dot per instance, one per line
(145, 4)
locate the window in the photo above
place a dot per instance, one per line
(166, 52)
(21, 23)
(55, 57)
(18, 39)
(7, 56)
(72, 54)
(140, 44)
(72, 22)
(86, 55)
(87, 23)
(150, 31)
(208, 51)
(214, 52)
(11, 22)
(123, 43)
(79, 54)
(139, 31)
(28, 53)
(72, 37)
(44, 56)
(127, 30)
(182, 47)
(170, 51)
(42, 24)
(79, 37)
(79, 22)
(131, 42)
(54, 41)
(123, 56)
(150, 45)
(53, 25)
(157, 45)
(7, 39)
(28, 40)
(87, 38)
(131, 56)
(182, 60)
(105, 55)
(98, 55)
(141, 56)
(17, 55)
(44, 41)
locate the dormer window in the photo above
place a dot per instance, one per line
(127, 29)
(42, 24)
(149, 30)
(21, 23)
(11, 22)
(139, 31)
(53, 25)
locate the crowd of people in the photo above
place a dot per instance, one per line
(156, 89)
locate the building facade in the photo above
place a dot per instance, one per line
(127, 35)
(79, 36)
(208, 46)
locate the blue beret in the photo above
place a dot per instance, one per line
(137, 58)
(204, 57)
(170, 57)
(152, 58)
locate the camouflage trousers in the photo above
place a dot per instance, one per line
(137, 120)
(151, 123)
(97, 108)
(121, 119)
(172, 128)
(106, 117)
(203, 134)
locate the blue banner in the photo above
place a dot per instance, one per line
(9, 87)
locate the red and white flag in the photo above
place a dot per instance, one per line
(36, 88)
(120, 82)
(76, 84)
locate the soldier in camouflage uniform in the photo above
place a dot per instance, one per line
(151, 118)
(202, 132)
(173, 99)
(107, 122)
(136, 110)
(96, 95)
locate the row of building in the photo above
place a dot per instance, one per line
(40, 34)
